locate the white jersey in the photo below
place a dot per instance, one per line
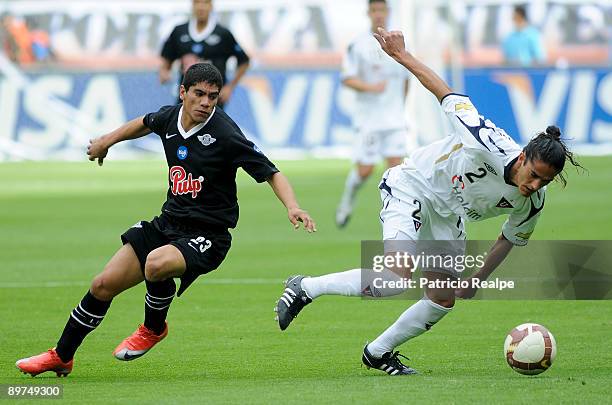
(466, 174)
(366, 61)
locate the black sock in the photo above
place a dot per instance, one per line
(83, 319)
(157, 303)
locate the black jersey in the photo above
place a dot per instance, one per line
(202, 165)
(215, 44)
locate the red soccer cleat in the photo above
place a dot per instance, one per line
(138, 343)
(47, 361)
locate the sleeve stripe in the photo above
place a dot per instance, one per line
(514, 241)
(533, 211)
(475, 131)
(452, 94)
(503, 152)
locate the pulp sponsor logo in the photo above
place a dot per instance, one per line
(183, 183)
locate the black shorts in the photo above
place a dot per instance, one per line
(203, 247)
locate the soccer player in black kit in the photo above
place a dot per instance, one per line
(202, 39)
(204, 149)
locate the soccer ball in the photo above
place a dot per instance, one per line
(530, 349)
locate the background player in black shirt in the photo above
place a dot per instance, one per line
(201, 39)
(204, 149)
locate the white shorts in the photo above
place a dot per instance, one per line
(371, 147)
(408, 222)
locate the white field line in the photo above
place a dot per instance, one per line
(202, 280)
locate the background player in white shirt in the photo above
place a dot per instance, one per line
(477, 172)
(379, 117)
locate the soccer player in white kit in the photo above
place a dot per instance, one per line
(381, 86)
(475, 173)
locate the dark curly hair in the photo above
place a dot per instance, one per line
(548, 147)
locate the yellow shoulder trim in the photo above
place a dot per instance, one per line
(523, 235)
(455, 148)
(463, 106)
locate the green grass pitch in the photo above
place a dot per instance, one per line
(60, 223)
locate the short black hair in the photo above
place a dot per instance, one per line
(521, 10)
(548, 147)
(376, 1)
(202, 72)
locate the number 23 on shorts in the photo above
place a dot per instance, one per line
(200, 244)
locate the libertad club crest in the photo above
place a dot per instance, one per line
(206, 139)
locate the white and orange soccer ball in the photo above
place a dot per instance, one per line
(530, 349)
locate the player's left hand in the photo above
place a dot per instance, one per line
(297, 215)
(226, 93)
(97, 149)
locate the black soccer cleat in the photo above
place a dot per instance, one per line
(389, 363)
(292, 301)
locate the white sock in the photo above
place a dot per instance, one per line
(417, 319)
(352, 184)
(354, 283)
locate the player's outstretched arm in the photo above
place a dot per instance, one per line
(496, 256)
(283, 190)
(98, 147)
(393, 44)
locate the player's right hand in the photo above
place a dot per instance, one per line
(97, 149)
(466, 293)
(391, 42)
(297, 215)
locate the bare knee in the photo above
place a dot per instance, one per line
(102, 289)
(123, 271)
(394, 161)
(365, 171)
(163, 263)
(444, 302)
(443, 297)
(155, 266)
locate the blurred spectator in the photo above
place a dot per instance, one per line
(202, 39)
(41, 44)
(524, 45)
(16, 40)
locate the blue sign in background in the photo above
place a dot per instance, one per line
(576, 99)
(304, 109)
